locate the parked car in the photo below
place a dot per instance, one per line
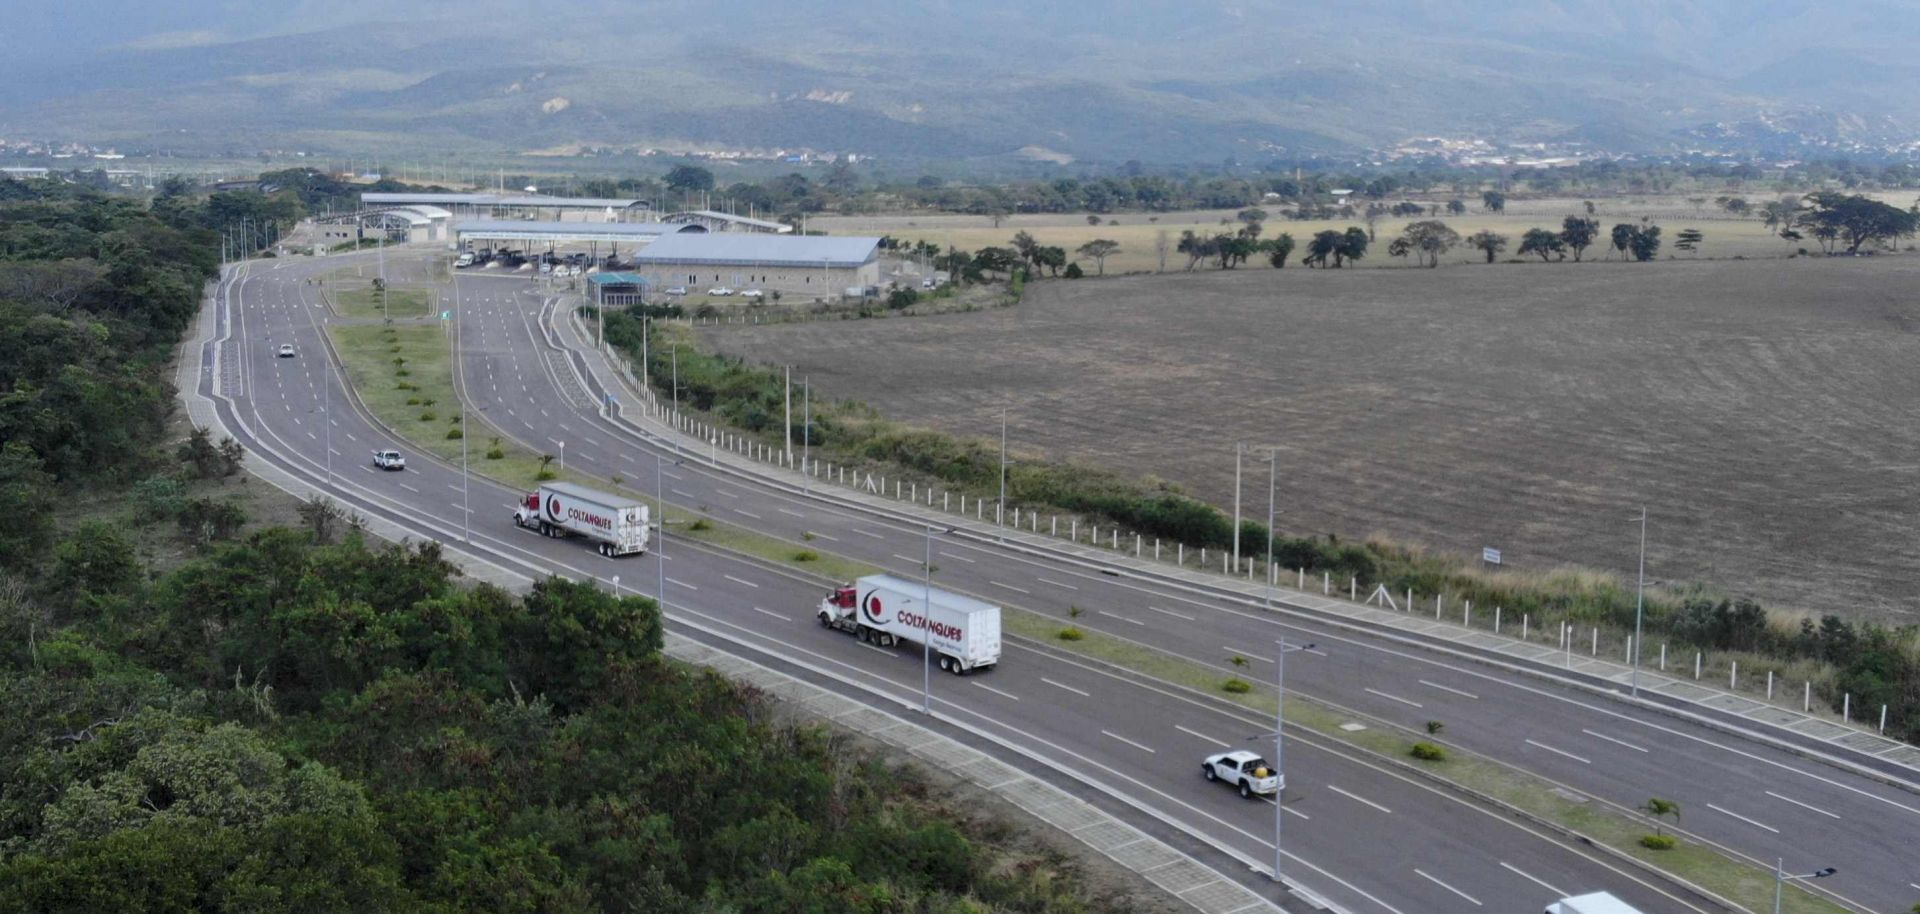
(719, 290)
(753, 293)
(1247, 771)
(389, 460)
(676, 290)
(286, 350)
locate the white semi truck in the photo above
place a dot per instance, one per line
(1593, 903)
(881, 609)
(619, 526)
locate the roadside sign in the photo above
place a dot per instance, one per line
(1490, 555)
(446, 315)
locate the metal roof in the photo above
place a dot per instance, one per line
(617, 279)
(525, 230)
(717, 216)
(756, 249)
(440, 199)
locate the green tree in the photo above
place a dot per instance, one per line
(1657, 809)
(1492, 243)
(581, 637)
(1855, 220)
(1353, 246)
(1279, 249)
(1544, 243)
(24, 534)
(1456, 207)
(688, 179)
(1493, 201)
(1322, 245)
(1429, 239)
(1578, 233)
(1100, 249)
(1623, 237)
(1645, 243)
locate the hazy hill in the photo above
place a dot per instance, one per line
(1159, 81)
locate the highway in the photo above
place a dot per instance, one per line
(1384, 843)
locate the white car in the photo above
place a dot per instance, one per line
(753, 293)
(1245, 770)
(676, 290)
(389, 460)
(286, 350)
(719, 290)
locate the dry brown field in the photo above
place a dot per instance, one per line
(1764, 411)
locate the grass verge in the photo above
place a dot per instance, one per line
(1747, 885)
(401, 303)
(369, 350)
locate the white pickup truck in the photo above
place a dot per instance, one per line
(389, 460)
(1245, 770)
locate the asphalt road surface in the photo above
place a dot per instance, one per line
(1366, 837)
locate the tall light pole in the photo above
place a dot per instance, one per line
(926, 633)
(1279, 741)
(1273, 458)
(1238, 449)
(676, 398)
(806, 432)
(660, 526)
(466, 512)
(1000, 512)
(1780, 879)
(1640, 602)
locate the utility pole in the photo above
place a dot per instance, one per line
(786, 416)
(806, 432)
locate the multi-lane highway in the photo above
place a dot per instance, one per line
(1365, 836)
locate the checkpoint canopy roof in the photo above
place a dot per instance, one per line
(522, 230)
(523, 200)
(744, 249)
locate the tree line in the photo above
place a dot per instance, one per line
(296, 720)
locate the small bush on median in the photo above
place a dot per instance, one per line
(494, 453)
(806, 555)
(1658, 842)
(428, 416)
(700, 524)
(454, 434)
(1428, 752)
(413, 401)
(1071, 634)
(546, 475)
(1236, 686)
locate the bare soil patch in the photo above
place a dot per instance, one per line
(1763, 411)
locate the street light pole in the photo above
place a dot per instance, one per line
(1780, 879)
(926, 634)
(466, 512)
(1279, 741)
(806, 432)
(1000, 512)
(1238, 449)
(1640, 601)
(1273, 457)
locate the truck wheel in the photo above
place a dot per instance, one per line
(1208, 771)
(825, 622)
(1246, 792)
(861, 633)
(957, 669)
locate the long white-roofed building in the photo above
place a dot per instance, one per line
(802, 266)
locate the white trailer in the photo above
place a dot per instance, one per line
(964, 633)
(1594, 903)
(619, 526)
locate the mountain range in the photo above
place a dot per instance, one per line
(1156, 81)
